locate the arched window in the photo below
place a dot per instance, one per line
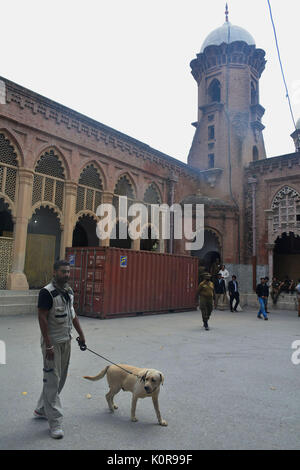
(286, 209)
(211, 160)
(151, 195)
(49, 179)
(89, 189)
(255, 153)
(254, 99)
(8, 168)
(214, 91)
(123, 188)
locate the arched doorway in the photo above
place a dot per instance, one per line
(211, 251)
(124, 187)
(42, 247)
(148, 243)
(117, 242)
(284, 233)
(287, 256)
(151, 197)
(84, 233)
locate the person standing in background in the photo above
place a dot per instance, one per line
(261, 292)
(233, 289)
(275, 289)
(220, 290)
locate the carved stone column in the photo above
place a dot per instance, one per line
(270, 245)
(69, 212)
(107, 198)
(136, 244)
(270, 248)
(17, 279)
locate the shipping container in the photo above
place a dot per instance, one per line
(114, 282)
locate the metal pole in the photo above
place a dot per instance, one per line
(253, 182)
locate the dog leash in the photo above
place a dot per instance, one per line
(83, 347)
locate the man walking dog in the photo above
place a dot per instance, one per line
(56, 318)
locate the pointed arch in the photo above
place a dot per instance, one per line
(50, 163)
(214, 91)
(212, 248)
(125, 186)
(84, 230)
(15, 144)
(85, 213)
(285, 191)
(255, 154)
(99, 169)
(52, 207)
(9, 164)
(254, 95)
(90, 177)
(55, 151)
(7, 202)
(286, 211)
(50, 174)
(152, 195)
(90, 188)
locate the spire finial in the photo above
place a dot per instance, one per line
(226, 13)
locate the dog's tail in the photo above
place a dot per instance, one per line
(99, 376)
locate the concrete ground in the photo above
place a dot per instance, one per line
(233, 387)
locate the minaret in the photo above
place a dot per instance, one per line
(228, 127)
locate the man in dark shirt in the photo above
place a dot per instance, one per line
(233, 289)
(262, 293)
(220, 289)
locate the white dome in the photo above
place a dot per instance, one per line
(227, 33)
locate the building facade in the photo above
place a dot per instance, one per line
(57, 166)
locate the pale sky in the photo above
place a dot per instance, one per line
(125, 63)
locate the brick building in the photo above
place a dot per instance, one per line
(57, 166)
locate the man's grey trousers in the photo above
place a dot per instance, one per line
(54, 377)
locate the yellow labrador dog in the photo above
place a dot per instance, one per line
(141, 382)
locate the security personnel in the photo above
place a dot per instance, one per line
(206, 293)
(56, 318)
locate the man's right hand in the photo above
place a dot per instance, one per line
(50, 353)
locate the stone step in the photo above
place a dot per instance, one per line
(285, 302)
(18, 302)
(18, 293)
(17, 309)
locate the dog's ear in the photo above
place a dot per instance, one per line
(162, 378)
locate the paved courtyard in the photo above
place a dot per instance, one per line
(233, 387)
